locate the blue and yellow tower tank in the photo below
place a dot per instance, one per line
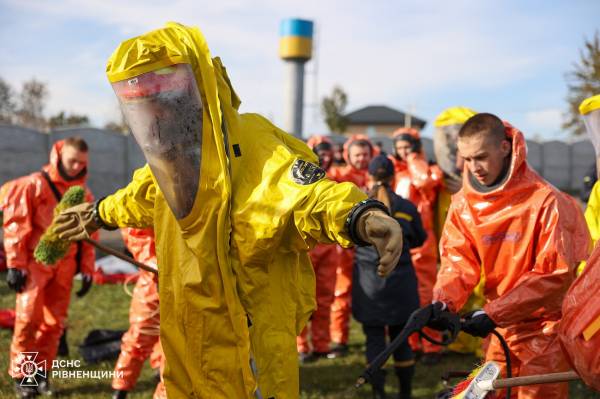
(296, 39)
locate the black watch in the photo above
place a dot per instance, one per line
(355, 213)
(98, 220)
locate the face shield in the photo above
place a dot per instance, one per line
(592, 126)
(445, 148)
(163, 109)
(590, 113)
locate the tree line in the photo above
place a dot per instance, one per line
(26, 108)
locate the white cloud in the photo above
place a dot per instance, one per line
(547, 120)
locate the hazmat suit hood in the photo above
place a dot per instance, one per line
(315, 143)
(409, 134)
(348, 144)
(510, 183)
(590, 113)
(54, 171)
(315, 140)
(175, 140)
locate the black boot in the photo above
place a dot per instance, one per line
(118, 394)
(405, 377)
(63, 348)
(378, 384)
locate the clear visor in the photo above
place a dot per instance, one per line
(445, 148)
(163, 109)
(592, 125)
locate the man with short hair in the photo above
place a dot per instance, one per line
(43, 292)
(523, 238)
(358, 152)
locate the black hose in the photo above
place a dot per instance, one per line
(507, 356)
(434, 341)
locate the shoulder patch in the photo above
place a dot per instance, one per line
(305, 173)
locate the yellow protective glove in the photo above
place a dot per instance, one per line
(76, 223)
(385, 234)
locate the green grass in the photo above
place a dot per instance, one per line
(107, 307)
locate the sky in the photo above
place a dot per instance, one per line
(505, 57)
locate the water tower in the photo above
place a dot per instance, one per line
(295, 48)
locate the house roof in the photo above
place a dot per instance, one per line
(381, 115)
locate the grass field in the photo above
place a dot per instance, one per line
(107, 307)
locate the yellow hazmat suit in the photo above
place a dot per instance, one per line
(235, 280)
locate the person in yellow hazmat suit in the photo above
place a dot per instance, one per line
(590, 111)
(445, 138)
(235, 204)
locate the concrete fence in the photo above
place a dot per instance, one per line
(114, 157)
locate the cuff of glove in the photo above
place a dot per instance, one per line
(351, 224)
(98, 220)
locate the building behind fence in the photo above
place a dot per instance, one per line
(113, 157)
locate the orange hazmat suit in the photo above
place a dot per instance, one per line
(41, 308)
(524, 239)
(324, 258)
(341, 308)
(144, 318)
(420, 183)
(580, 325)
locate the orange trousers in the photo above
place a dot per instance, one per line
(40, 312)
(342, 303)
(324, 259)
(157, 360)
(424, 259)
(142, 337)
(535, 352)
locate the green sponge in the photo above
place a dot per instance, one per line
(51, 249)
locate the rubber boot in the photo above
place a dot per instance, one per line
(118, 394)
(405, 376)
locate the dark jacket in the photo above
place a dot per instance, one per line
(390, 300)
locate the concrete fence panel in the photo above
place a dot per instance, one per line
(556, 163)
(583, 157)
(22, 150)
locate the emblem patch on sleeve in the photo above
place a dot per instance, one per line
(305, 173)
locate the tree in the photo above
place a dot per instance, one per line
(62, 119)
(333, 110)
(31, 108)
(7, 102)
(583, 82)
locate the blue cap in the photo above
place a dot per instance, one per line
(381, 167)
